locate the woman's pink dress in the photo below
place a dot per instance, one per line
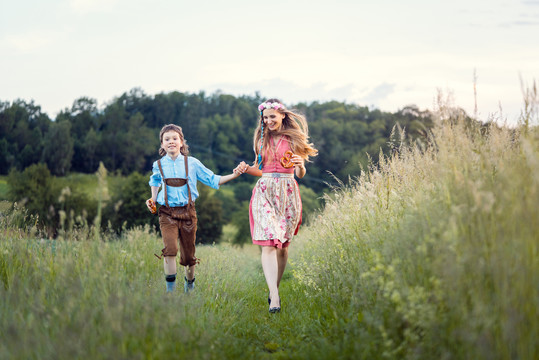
(275, 207)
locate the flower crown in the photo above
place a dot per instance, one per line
(270, 105)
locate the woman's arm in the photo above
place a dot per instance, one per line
(253, 170)
(243, 168)
(299, 166)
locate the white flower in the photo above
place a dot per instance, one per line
(270, 105)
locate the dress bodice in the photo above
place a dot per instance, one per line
(272, 160)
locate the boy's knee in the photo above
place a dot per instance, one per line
(191, 261)
(170, 251)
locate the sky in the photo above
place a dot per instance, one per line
(384, 54)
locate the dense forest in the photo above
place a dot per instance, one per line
(39, 153)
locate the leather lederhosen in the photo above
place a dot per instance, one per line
(178, 222)
(187, 212)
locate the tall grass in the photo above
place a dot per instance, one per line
(434, 253)
(94, 299)
(64, 299)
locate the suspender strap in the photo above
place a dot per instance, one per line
(164, 183)
(186, 176)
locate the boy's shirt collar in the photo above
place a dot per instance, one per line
(169, 158)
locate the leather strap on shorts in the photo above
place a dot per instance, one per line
(176, 182)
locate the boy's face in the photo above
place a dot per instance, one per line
(172, 143)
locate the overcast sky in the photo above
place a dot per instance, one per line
(382, 54)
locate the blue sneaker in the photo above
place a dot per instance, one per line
(189, 285)
(171, 282)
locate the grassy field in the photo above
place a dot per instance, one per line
(87, 182)
(106, 300)
(433, 254)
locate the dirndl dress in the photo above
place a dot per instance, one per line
(275, 207)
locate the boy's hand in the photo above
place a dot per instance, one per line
(151, 206)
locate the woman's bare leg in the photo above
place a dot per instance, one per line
(271, 272)
(282, 258)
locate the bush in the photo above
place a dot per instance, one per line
(36, 190)
(209, 214)
(127, 208)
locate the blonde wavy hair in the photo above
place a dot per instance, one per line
(294, 128)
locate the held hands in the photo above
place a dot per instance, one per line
(293, 160)
(241, 168)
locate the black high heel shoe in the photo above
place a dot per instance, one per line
(273, 310)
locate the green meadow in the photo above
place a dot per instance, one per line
(430, 254)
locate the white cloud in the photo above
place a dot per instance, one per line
(91, 6)
(287, 91)
(30, 41)
(378, 93)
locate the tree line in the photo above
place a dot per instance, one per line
(124, 136)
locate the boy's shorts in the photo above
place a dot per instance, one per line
(174, 227)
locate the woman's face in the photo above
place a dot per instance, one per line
(172, 143)
(273, 119)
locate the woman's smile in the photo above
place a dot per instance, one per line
(273, 119)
